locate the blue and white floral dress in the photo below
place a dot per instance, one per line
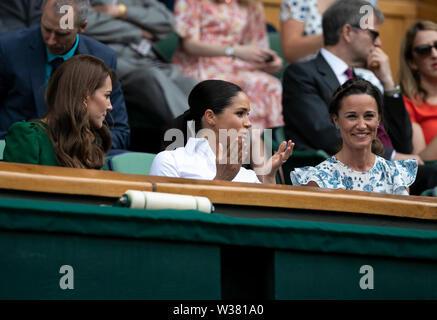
(385, 177)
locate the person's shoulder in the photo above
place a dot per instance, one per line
(11, 39)
(97, 48)
(402, 172)
(307, 68)
(408, 166)
(27, 128)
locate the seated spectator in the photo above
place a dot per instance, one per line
(301, 28)
(19, 14)
(217, 108)
(153, 87)
(73, 133)
(308, 86)
(302, 35)
(29, 56)
(227, 39)
(418, 74)
(356, 109)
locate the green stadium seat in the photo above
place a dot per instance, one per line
(430, 192)
(130, 162)
(275, 45)
(168, 46)
(2, 148)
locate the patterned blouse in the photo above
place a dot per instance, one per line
(391, 177)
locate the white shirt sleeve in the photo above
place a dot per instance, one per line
(164, 165)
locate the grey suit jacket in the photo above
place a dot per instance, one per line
(150, 15)
(19, 14)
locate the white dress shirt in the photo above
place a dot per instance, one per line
(339, 67)
(194, 161)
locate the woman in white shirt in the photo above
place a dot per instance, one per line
(220, 112)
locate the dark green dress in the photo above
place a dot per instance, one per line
(28, 142)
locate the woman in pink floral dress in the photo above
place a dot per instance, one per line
(227, 40)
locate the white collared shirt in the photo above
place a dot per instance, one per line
(339, 67)
(194, 161)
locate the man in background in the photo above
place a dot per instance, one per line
(28, 57)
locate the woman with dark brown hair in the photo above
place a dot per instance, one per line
(73, 133)
(356, 108)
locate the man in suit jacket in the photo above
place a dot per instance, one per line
(153, 87)
(19, 14)
(308, 86)
(25, 68)
(349, 41)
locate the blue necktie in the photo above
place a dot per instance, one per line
(55, 64)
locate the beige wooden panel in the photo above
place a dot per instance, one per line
(271, 11)
(427, 10)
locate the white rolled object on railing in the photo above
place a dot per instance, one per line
(157, 200)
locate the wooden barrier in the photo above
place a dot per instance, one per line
(313, 244)
(82, 182)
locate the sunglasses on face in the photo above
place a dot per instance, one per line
(425, 49)
(373, 33)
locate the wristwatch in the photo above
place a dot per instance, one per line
(229, 51)
(395, 92)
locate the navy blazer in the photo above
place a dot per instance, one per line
(22, 81)
(307, 90)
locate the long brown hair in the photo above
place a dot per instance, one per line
(77, 143)
(409, 78)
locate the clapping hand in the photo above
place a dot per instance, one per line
(284, 152)
(268, 172)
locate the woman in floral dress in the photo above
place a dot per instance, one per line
(227, 40)
(356, 109)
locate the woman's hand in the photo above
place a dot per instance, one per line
(284, 152)
(228, 163)
(274, 65)
(252, 54)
